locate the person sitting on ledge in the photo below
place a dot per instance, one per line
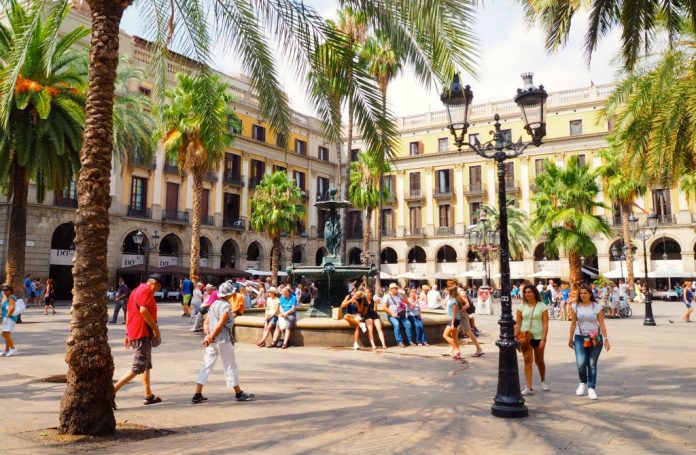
(271, 316)
(395, 307)
(287, 317)
(355, 305)
(372, 319)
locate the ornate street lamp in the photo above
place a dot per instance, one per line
(138, 239)
(643, 233)
(531, 100)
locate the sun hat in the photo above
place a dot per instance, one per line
(393, 286)
(226, 289)
(273, 290)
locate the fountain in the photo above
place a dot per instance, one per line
(331, 276)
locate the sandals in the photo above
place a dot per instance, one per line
(478, 354)
(457, 356)
(152, 399)
(284, 346)
(446, 354)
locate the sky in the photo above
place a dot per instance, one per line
(507, 47)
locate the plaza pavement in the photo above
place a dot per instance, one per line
(410, 401)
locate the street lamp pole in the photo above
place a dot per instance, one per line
(531, 100)
(643, 233)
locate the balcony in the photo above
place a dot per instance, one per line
(236, 224)
(208, 221)
(666, 219)
(389, 198)
(233, 179)
(210, 176)
(445, 230)
(140, 162)
(60, 201)
(443, 192)
(175, 216)
(305, 195)
(323, 196)
(138, 212)
(254, 181)
(474, 190)
(415, 194)
(388, 232)
(416, 232)
(510, 188)
(171, 169)
(300, 230)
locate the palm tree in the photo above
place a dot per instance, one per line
(565, 203)
(44, 132)
(276, 207)
(363, 191)
(655, 116)
(624, 183)
(639, 22)
(519, 234)
(196, 138)
(436, 40)
(384, 63)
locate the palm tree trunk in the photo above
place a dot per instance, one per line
(275, 260)
(367, 233)
(575, 273)
(16, 247)
(196, 224)
(86, 405)
(625, 209)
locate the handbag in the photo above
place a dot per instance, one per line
(524, 339)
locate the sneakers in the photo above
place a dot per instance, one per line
(10, 352)
(527, 391)
(198, 398)
(581, 390)
(3, 353)
(243, 396)
(592, 394)
(363, 327)
(401, 345)
(356, 346)
(545, 387)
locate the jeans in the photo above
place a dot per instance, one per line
(397, 332)
(117, 307)
(586, 359)
(420, 329)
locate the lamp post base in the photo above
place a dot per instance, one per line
(508, 402)
(649, 319)
(509, 410)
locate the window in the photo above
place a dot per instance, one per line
(277, 168)
(445, 212)
(539, 166)
(172, 201)
(299, 178)
(258, 133)
(575, 127)
(71, 191)
(611, 123)
(322, 188)
(280, 140)
(509, 175)
(258, 169)
(507, 135)
(473, 138)
(474, 212)
(475, 178)
(138, 199)
(444, 181)
(414, 214)
(205, 206)
(581, 160)
(662, 205)
(442, 144)
(233, 165)
(321, 221)
(387, 222)
(616, 213)
(236, 127)
(300, 147)
(414, 183)
(415, 148)
(355, 223)
(230, 209)
(389, 185)
(354, 155)
(323, 153)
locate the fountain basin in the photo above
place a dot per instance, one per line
(328, 332)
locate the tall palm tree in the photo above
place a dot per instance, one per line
(364, 192)
(436, 40)
(196, 138)
(43, 136)
(624, 184)
(384, 63)
(276, 207)
(565, 204)
(639, 21)
(519, 234)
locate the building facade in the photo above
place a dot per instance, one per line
(438, 192)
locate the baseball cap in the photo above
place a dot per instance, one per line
(273, 289)
(226, 289)
(157, 277)
(7, 287)
(393, 286)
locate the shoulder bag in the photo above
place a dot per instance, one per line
(525, 338)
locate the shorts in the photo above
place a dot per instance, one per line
(534, 343)
(187, 299)
(287, 322)
(8, 325)
(372, 315)
(688, 305)
(456, 323)
(48, 301)
(142, 355)
(272, 321)
(465, 324)
(354, 316)
(614, 304)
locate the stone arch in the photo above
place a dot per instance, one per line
(229, 254)
(417, 255)
(446, 253)
(297, 254)
(665, 248)
(319, 256)
(389, 256)
(60, 260)
(354, 256)
(128, 246)
(206, 249)
(172, 247)
(254, 251)
(63, 237)
(540, 253)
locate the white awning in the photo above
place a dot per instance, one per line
(589, 272)
(513, 276)
(263, 272)
(386, 276)
(413, 276)
(545, 274)
(667, 272)
(444, 276)
(475, 274)
(618, 273)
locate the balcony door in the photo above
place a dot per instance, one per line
(205, 202)
(172, 202)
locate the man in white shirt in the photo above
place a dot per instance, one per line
(434, 298)
(552, 290)
(540, 287)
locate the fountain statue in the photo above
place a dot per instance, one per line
(331, 277)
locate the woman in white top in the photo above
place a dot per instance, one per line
(271, 316)
(197, 300)
(588, 334)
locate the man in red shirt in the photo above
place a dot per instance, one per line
(141, 333)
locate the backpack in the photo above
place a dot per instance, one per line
(19, 307)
